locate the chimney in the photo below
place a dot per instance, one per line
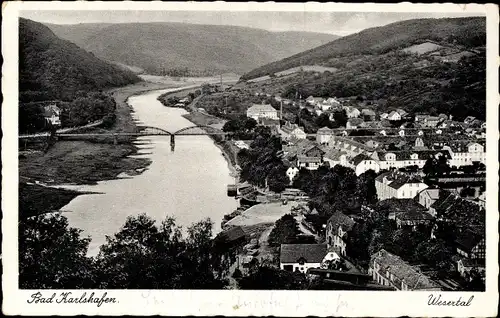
(281, 110)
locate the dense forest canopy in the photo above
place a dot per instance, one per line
(54, 69)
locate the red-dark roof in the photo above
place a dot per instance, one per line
(311, 253)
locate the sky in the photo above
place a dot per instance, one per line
(340, 23)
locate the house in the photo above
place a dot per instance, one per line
(337, 230)
(323, 135)
(314, 101)
(427, 197)
(404, 158)
(362, 163)
(419, 144)
(431, 121)
(464, 153)
(412, 218)
(257, 111)
(52, 114)
(335, 157)
(289, 130)
(394, 116)
(310, 163)
(352, 112)
(384, 116)
(471, 245)
(465, 266)
(402, 112)
(314, 151)
(398, 185)
(233, 237)
(373, 144)
(353, 123)
(443, 116)
(333, 102)
(406, 212)
(390, 270)
(469, 120)
(301, 257)
(291, 172)
(368, 114)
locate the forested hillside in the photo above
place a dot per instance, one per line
(431, 65)
(52, 69)
(181, 49)
(468, 32)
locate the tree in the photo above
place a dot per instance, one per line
(365, 187)
(142, 255)
(53, 255)
(285, 231)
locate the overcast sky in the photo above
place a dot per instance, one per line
(341, 23)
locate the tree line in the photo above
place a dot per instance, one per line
(141, 255)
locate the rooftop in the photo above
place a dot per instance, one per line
(261, 108)
(311, 253)
(403, 272)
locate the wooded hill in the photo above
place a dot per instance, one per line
(188, 49)
(431, 65)
(468, 32)
(52, 68)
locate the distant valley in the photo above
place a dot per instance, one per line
(187, 49)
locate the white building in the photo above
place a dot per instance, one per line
(398, 185)
(52, 114)
(323, 135)
(464, 154)
(262, 111)
(394, 115)
(390, 270)
(289, 131)
(301, 257)
(362, 163)
(310, 163)
(427, 197)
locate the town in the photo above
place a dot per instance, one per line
(210, 157)
(420, 224)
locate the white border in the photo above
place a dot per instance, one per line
(242, 303)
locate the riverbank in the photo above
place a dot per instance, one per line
(83, 162)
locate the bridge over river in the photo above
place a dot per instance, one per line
(196, 130)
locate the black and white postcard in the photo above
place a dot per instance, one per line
(249, 159)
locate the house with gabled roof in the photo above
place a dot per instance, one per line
(257, 111)
(353, 123)
(338, 228)
(323, 135)
(301, 257)
(471, 244)
(398, 185)
(52, 114)
(391, 270)
(362, 163)
(428, 196)
(394, 115)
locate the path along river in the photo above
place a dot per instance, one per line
(188, 184)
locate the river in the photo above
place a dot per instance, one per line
(188, 184)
